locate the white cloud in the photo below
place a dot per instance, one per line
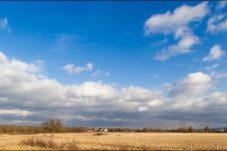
(137, 93)
(194, 84)
(212, 67)
(3, 58)
(182, 47)
(221, 5)
(96, 73)
(23, 95)
(107, 73)
(221, 76)
(155, 103)
(177, 23)
(169, 22)
(100, 73)
(3, 23)
(215, 53)
(16, 112)
(217, 23)
(71, 69)
(159, 42)
(92, 90)
(142, 108)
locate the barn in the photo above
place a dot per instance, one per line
(102, 130)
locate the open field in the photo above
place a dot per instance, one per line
(123, 141)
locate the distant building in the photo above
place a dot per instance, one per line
(102, 130)
(90, 131)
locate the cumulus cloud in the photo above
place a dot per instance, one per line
(194, 84)
(215, 53)
(217, 23)
(71, 69)
(16, 112)
(25, 98)
(183, 46)
(23, 94)
(177, 23)
(221, 5)
(137, 93)
(169, 22)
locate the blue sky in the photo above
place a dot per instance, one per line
(127, 64)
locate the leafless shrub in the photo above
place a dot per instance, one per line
(50, 143)
(28, 141)
(39, 142)
(72, 145)
(99, 133)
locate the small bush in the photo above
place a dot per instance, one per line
(14, 133)
(52, 144)
(62, 146)
(29, 142)
(72, 145)
(100, 134)
(39, 142)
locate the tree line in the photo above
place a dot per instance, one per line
(56, 126)
(15, 129)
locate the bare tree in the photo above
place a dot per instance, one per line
(206, 129)
(225, 130)
(52, 125)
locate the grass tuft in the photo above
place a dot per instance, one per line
(50, 143)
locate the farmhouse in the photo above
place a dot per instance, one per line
(102, 130)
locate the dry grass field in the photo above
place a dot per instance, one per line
(120, 141)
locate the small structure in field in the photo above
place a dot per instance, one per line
(90, 131)
(102, 130)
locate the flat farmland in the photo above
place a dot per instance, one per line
(119, 141)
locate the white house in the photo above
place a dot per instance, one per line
(102, 130)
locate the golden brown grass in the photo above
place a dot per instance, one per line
(120, 141)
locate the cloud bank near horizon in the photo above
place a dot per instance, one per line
(28, 97)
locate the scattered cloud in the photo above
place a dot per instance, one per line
(142, 108)
(25, 97)
(100, 73)
(212, 67)
(181, 17)
(217, 23)
(5, 25)
(215, 53)
(183, 46)
(222, 76)
(15, 112)
(159, 42)
(193, 85)
(96, 73)
(221, 5)
(177, 23)
(107, 73)
(64, 42)
(71, 69)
